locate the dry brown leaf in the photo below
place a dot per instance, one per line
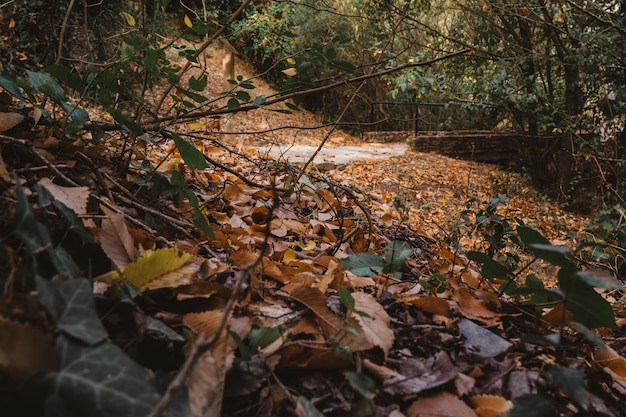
(442, 404)
(558, 316)
(491, 405)
(4, 172)
(331, 324)
(116, 240)
(609, 358)
(24, 351)
(474, 309)
(206, 381)
(377, 324)
(8, 120)
(74, 198)
(432, 305)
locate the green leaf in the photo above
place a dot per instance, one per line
(396, 254)
(46, 84)
(124, 121)
(77, 114)
(75, 225)
(362, 384)
(364, 264)
(584, 302)
(158, 326)
(346, 298)
(233, 103)
(190, 154)
(491, 268)
(600, 280)
(571, 382)
(308, 407)
(198, 98)
(242, 95)
(9, 84)
(198, 84)
(244, 352)
(67, 77)
(198, 218)
(541, 247)
(102, 382)
(262, 337)
(71, 304)
(532, 405)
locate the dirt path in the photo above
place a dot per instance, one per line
(434, 188)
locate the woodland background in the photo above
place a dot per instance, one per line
(152, 263)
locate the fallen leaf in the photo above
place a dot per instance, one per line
(206, 381)
(376, 324)
(443, 404)
(8, 120)
(4, 172)
(609, 358)
(491, 405)
(24, 351)
(475, 309)
(432, 305)
(74, 198)
(332, 325)
(165, 268)
(116, 240)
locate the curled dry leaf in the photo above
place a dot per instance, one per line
(206, 381)
(609, 358)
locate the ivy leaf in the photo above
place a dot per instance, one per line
(190, 154)
(71, 304)
(541, 247)
(103, 382)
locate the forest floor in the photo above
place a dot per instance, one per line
(346, 289)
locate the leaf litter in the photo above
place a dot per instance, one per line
(254, 254)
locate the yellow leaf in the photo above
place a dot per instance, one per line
(196, 126)
(187, 21)
(165, 268)
(291, 61)
(290, 72)
(310, 245)
(129, 19)
(289, 256)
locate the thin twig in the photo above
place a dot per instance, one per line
(63, 29)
